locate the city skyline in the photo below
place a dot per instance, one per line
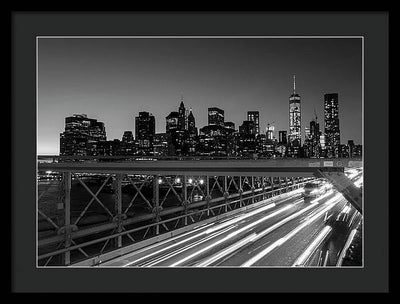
(273, 104)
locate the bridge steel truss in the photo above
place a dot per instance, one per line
(160, 200)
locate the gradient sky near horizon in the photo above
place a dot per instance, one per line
(112, 79)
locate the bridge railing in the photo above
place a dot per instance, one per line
(70, 240)
(130, 158)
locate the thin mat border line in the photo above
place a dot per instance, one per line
(204, 37)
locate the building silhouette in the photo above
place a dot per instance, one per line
(282, 137)
(332, 131)
(216, 116)
(127, 146)
(254, 116)
(81, 135)
(144, 132)
(294, 137)
(87, 137)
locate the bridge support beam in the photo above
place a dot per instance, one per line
(118, 206)
(184, 198)
(156, 201)
(240, 192)
(208, 197)
(263, 187)
(344, 185)
(226, 193)
(66, 221)
(252, 189)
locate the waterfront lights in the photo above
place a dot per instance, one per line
(160, 181)
(190, 180)
(201, 181)
(177, 180)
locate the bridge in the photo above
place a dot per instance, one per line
(92, 210)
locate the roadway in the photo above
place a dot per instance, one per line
(287, 231)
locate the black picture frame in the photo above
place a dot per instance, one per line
(373, 26)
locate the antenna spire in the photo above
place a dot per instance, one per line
(181, 100)
(294, 84)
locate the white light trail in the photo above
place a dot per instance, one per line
(326, 258)
(312, 247)
(346, 247)
(358, 182)
(327, 206)
(208, 231)
(243, 243)
(187, 247)
(227, 251)
(124, 257)
(231, 235)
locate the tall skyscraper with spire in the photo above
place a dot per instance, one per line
(294, 138)
(182, 124)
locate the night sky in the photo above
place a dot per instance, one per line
(111, 80)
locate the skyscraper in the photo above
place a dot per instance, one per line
(81, 135)
(182, 120)
(283, 137)
(216, 116)
(294, 137)
(269, 131)
(247, 138)
(127, 146)
(145, 127)
(332, 131)
(315, 133)
(191, 124)
(127, 137)
(254, 116)
(192, 133)
(181, 130)
(172, 121)
(294, 115)
(247, 127)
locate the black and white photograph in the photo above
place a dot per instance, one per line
(195, 151)
(200, 151)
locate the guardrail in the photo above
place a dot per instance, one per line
(68, 234)
(100, 158)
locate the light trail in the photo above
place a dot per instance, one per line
(231, 235)
(227, 251)
(326, 258)
(346, 247)
(327, 206)
(234, 247)
(208, 231)
(358, 182)
(352, 218)
(187, 247)
(199, 227)
(303, 258)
